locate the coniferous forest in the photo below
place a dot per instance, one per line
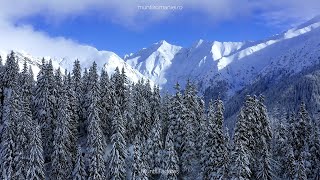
(85, 124)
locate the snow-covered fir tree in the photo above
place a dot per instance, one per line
(207, 155)
(61, 165)
(8, 146)
(281, 147)
(77, 87)
(188, 151)
(164, 114)
(35, 166)
(9, 80)
(11, 69)
(154, 147)
(119, 83)
(240, 156)
(314, 150)
(131, 125)
(139, 166)
(155, 104)
(79, 170)
(216, 150)
(116, 169)
(300, 170)
(301, 141)
(142, 110)
(95, 140)
(24, 124)
(171, 160)
(265, 169)
(45, 104)
(176, 120)
(106, 104)
(290, 167)
(193, 113)
(73, 113)
(84, 103)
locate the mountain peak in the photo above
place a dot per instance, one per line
(161, 43)
(199, 43)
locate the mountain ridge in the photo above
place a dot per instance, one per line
(207, 63)
(237, 63)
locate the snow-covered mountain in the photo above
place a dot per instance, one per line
(224, 67)
(236, 64)
(104, 59)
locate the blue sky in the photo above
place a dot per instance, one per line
(177, 30)
(76, 28)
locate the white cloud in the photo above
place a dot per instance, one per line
(284, 13)
(126, 12)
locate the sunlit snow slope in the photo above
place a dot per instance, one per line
(235, 63)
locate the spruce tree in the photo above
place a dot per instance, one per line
(84, 103)
(155, 103)
(139, 171)
(142, 110)
(106, 104)
(11, 71)
(8, 143)
(240, 156)
(77, 88)
(164, 114)
(302, 131)
(315, 152)
(24, 124)
(188, 150)
(10, 74)
(61, 165)
(73, 114)
(95, 145)
(176, 120)
(193, 113)
(79, 170)
(131, 125)
(220, 153)
(120, 81)
(214, 152)
(154, 146)
(95, 140)
(207, 155)
(264, 160)
(301, 140)
(45, 104)
(281, 147)
(300, 171)
(171, 167)
(227, 156)
(290, 166)
(116, 170)
(35, 167)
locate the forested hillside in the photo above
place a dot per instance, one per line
(84, 124)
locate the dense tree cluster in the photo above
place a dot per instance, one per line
(84, 125)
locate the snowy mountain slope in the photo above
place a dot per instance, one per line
(235, 63)
(166, 64)
(224, 67)
(154, 61)
(104, 59)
